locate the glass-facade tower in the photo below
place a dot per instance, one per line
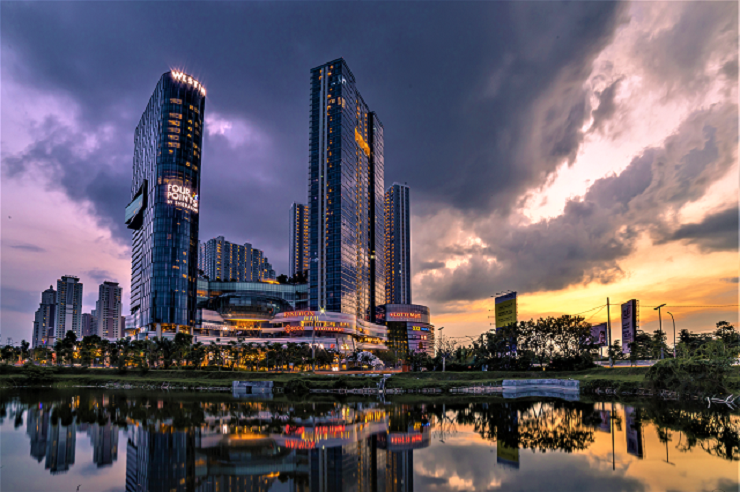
(345, 196)
(397, 245)
(165, 198)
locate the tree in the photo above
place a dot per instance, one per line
(615, 350)
(165, 348)
(8, 354)
(445, 348)
(183, 341)
(24, 349)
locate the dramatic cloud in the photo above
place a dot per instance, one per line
(586, 242)
(542, 140)
(717, 232)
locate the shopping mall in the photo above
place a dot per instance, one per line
(268, 312)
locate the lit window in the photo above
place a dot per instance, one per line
(175, 101)
(176, 115)
(174, 122)
(172, 129)
(173, 144)
(173, 137)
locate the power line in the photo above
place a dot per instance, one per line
(589, 310)
(673, 307)
(597, 312)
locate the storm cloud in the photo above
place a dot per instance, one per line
(596, 231)
(484, 104)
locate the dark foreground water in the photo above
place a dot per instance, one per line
(105, 441)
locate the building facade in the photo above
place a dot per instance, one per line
(163, 212)
(45, 318)
(108, 311)
(89, 324)
(345, 196)
(409, 328)
(230, 262)
(69, 306)
(299, 231)
(397, 245)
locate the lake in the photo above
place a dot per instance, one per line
(97, 440)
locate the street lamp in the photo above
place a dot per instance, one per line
(660, 324)
(674, 333)
(313, 339)
(444, 359)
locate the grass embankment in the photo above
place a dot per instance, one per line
(623, 377)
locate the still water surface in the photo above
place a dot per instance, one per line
(130, 441)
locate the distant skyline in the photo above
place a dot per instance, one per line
(568, 151)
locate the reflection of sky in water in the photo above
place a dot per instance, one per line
(212, 442)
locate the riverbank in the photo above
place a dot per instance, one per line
(623, 378)
(67, 377)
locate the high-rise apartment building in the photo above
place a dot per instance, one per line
(226, 261)
(201, 256)
(108, 311)
(397, 245)
(69, 306)
(43, 322)
(299, 232)
(165, 199)
(345, 196)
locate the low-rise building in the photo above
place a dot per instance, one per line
(409, 328)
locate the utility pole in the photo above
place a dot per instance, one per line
(660, 324)
(674, 333)
(609, 327)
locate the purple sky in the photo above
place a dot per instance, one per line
(569, 151)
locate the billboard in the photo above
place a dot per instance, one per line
(630, 310)
(506, 310)
(598, 335)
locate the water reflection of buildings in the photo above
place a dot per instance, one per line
(53, 442)
(56, 443)
(350, 450)
(104, 439)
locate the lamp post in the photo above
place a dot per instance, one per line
(444, 359)
(313, 340)
(660, 324)
(674, 333)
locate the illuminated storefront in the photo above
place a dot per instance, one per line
(409, 328)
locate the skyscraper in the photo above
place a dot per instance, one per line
(69, 306)
(108, 311)
(299, 232)
(43, 322)
(397, 245)
(165, 198)
(345, 196)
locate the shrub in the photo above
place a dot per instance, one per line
(577, 363)
(690, 376)
(297, 386)
(37, 374)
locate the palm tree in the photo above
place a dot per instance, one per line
(183, 342)
(165, 347)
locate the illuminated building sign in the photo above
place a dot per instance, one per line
(290, 314)
(181, 196)
(406, 439)
(420, 328)
(405, 315)
(299, 444)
